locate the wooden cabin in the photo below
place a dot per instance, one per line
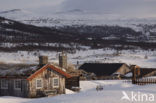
(106, 70)
(30, 81)
(73, 83)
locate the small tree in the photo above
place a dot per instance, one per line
(146, 57)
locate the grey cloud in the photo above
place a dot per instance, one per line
(125, 7)
(115, 6)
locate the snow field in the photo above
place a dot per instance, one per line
(112, 93)
(99, 55)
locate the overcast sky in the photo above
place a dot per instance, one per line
(124, 7)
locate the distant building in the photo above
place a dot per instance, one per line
(140, 75)
(32, 80)
(143, 72)
(146, 72)
(106, 70)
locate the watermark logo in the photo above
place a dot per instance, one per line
(137, 97)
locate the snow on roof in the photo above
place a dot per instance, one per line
(17, 69)
(129, 74)
(27, 70)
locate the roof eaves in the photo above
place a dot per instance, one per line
(60, 71)
(51, 67)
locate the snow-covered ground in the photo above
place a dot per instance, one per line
(138, 57)
(113, 91)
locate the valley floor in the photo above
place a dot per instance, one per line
(112, 93)
(143, 58)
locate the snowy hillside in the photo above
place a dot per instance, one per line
(82, 18)
(74, 17)
(69, 12)
(21, 43)
(15, 35)
(112, 93)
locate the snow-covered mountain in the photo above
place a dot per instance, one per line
(17, 14)
(74, 17)
(94, 36)
(82, 12)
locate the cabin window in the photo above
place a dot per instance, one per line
(38, 83)
(4, 84)
(17, 84)
(55, 82)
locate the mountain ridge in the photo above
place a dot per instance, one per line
(73, 37)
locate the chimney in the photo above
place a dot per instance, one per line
(43, 60)
(63, 60)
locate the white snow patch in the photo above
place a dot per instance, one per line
(69, 91)
(136, 57)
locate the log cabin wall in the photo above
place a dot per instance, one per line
(11, 90)
(47, 84)
(72, 82)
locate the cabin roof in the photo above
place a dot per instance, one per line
(17, 69)
(101, 69)
(27, 70)
(51, 67)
